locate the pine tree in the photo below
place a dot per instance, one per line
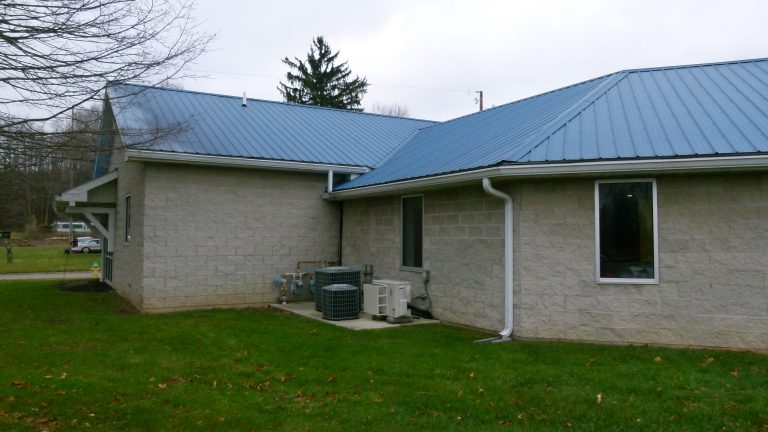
(319, 81)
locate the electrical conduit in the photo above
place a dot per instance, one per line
(509, 303)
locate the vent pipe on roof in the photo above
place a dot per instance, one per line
(245, 101)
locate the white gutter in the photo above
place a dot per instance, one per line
(699, 164)
(230, 161)
(509, 301)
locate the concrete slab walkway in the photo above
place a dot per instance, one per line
(365, 322)
(51, 275)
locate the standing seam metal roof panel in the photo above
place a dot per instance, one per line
(694, 110)
(218, 125)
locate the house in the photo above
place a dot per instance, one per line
(628, 208)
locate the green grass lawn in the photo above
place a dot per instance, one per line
(35, 259)
(74, 360)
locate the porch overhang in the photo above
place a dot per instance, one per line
(96, 197)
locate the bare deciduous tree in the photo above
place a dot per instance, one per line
(390, 109)
(56, 56)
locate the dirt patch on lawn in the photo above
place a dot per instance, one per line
(85, 285)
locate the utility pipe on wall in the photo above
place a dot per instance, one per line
(509, 303)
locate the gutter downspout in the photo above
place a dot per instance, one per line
(509, 303)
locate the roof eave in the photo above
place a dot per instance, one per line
(80, 193)
(614, 167)
(231, 161)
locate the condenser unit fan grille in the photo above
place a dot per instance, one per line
(341, 302)
(333, 276)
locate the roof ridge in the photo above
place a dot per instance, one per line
(273, 102)
(523, 99)
(694, 65)
(533, 142)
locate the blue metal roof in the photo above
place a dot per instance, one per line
(202, 123)
(695, 110)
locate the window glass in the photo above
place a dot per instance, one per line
(412, 221)
(627, 248)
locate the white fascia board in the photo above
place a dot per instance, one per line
(80, 193)
(230, 161)
(700, 164)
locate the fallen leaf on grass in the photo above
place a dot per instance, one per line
(162, 386)
(591, 362)
(63, 376)
(19, 384)
(331, 378)
(599, 398)
(521, 416)
(48, 377)
(735, 373)
(657, 359)
(708, 361)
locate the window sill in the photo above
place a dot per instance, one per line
(412, 269)
(628, 281)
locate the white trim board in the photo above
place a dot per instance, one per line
(645, 166)
(80, 193)
(230, 161)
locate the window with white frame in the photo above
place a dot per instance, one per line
(412, 222)
(627, 231)
(127, 219)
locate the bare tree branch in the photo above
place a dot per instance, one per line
(57, 56)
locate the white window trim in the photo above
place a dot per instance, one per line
(655, 280)
(126, 217)
(402, 233)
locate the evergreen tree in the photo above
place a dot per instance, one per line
(319, 81)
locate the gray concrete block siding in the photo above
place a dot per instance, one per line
(128, 256)
(463, 249)
(216, 237)
(207, 237)
(713, 245)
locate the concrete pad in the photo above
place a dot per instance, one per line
(365, 322)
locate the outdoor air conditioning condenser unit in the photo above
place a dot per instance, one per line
(398, 296)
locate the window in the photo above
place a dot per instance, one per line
(412, 218)
(627, 231)
(127, 218)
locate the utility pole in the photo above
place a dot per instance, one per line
(479, 99)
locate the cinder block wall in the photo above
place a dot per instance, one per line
(713, 254)
(216, 237)
(713, 249)
(128, 257)
(463, 249)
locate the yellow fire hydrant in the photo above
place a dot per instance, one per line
(95, 269)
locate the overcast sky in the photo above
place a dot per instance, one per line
(430, 56)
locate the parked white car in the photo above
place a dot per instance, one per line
(85, 245)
